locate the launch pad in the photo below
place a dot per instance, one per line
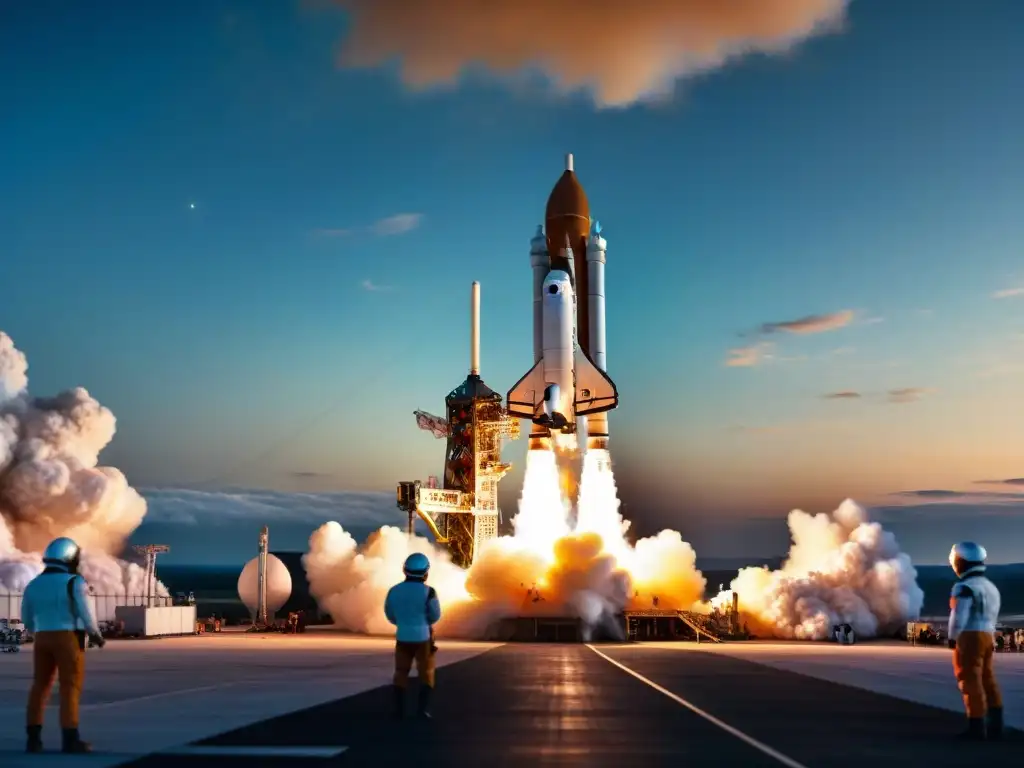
(629, 626)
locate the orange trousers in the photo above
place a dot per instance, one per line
(405, 654)
(972, 663)
(60, 655)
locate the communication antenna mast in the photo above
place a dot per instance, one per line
(151, 551)
(261, 578)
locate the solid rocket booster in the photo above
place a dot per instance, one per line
(597, 423)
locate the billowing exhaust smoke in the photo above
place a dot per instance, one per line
(50, 484)
(842, 568)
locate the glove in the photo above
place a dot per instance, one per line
(952, 645)
(97, 640)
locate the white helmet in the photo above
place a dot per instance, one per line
(967, 556)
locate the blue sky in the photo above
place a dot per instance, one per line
(279, 333)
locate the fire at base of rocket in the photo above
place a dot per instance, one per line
(568, 379)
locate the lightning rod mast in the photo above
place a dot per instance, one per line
(150, 551)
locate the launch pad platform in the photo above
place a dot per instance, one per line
(653, 704)
(634, 626)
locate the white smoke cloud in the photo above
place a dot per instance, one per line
(51, 486)
(841, 568)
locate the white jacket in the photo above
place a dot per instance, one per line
(973, 605)
(56, 600)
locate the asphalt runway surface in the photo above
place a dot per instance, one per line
(573, 705)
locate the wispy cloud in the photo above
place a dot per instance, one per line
(935, 505)
(1008, 293)
(1017, 481)
(750, 356)
(811, 323)
(757, 353)
(844, 395)
(941, 495)
(908, 394)
(905, 395)
(362, 511)
(372, 287)
(398, 224)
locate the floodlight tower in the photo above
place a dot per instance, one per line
(151, 551)
(261, 578)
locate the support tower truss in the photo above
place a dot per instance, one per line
(463, 513)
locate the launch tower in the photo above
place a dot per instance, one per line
(464, 513)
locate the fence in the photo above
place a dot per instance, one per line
(103, 606)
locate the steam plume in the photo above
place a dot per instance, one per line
(842, 568)
(50, 484)
(620, 52)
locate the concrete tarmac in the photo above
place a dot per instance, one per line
(607, 705)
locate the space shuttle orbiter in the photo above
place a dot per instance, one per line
(564, 383)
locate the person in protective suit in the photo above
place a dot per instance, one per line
(55, 608)
(413, 608)
(973, 613)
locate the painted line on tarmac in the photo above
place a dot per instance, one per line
(254, 751)
(750, 740)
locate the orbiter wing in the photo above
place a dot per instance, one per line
(524, 398)
(595, 392)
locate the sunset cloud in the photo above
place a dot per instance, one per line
(908, 394)
(811, 323)
(750, 356)
(844, 395)
(620, 53)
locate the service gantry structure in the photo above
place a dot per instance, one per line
(464, 513)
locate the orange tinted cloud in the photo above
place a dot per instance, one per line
(620, 51)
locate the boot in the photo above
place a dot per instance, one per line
(995, 723)
(424, 708)
(34, 743)
(398, 696)
(975, 730)
(73, 743)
